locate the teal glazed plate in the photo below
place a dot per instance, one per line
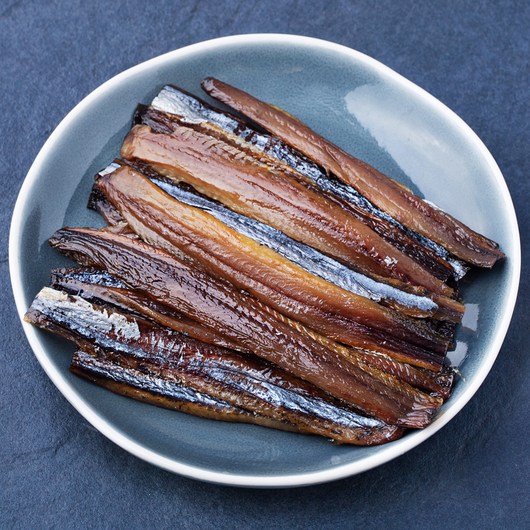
(365, 108)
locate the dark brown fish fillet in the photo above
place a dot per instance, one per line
(101, 288)
(392, 197)
(172, 101)
(414, 301)
(219, 376)
(343, 316)
(226, 172)
(241, 318)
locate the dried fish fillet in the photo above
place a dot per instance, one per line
(243, 319)
(387, 194)
(215, 381)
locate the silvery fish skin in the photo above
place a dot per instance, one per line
(227, 169)
(385, 193)
(410, 301)
(119, 374)
(196, 236)
(170, 364)
(176, 101)
(98, 286)
(247, 321)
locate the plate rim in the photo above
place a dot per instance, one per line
(388, 452)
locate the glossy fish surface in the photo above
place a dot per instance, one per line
(165, 222)
(222, 169)
(410, 300)
(118, 374)
(244, 320)
(100, 287)
(434, 257)
(385, 193)
(170, 364)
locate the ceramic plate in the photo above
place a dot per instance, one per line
(358, 103)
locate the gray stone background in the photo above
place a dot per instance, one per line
(57, 471)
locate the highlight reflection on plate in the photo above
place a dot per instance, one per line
(357, 103)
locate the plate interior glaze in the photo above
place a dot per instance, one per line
(356, 102)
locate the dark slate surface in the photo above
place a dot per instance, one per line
(56, 470)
